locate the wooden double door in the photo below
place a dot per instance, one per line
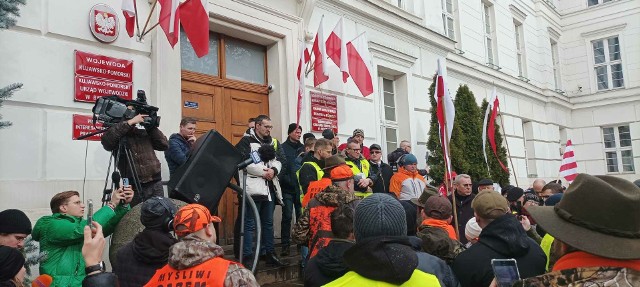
(223, 105)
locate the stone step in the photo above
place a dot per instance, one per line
(275, 276)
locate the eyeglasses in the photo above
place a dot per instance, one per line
(375, 152)
(355, 149)
(467, 185)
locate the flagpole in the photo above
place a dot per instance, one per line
(135, 10)
(153, 7)
(445, 142)
(513, 168)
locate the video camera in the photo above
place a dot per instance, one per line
(110, 110)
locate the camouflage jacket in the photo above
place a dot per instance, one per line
(437, 242)
(585, 277)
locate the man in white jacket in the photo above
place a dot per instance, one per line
(263, 186)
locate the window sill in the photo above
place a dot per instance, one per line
(397, 10)
(609, 90)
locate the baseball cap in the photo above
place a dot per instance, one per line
(488, 201)
(485, 181)
(341, 173)
(358, 132)
(375, 146)
(438, 207)
(191, 218)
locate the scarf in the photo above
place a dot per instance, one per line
(441, 224)
(583, 259)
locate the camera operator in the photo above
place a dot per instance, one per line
(142, 142)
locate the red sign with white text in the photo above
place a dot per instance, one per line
(324, 112)
(90, 89)
(99, 66)
(82, 125)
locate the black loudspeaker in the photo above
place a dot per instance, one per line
(205, 175)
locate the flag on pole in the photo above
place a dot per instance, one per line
(493, 98)
(320, 71)
(195, 22)
(491, 131)
(170, 20)
(359, 61)
(300, 76)
(336, 46)
(128, 10)
(569, 167)
(445, 111)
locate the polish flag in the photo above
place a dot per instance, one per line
(128, 9)
(195, 22)
(445, 111)
(359, 61)
(494, 96)
(170, 20)
(491, 130)
(300, 76)
(337, 49)
(569, 167)
(320, 71)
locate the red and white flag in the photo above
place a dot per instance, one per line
(493, 98)
(320, 71)
(300, 76)
(336, 46)
(195, 22)
(445, 111)
(569, 167)
(491, 130)
(170, 20)
(128, 9)
(359, 61)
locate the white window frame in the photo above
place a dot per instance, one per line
(555, 59)
(388, 124)
(521, 57)
(598, 2)
(489, 35)
(607, 64)
(450, 32)
(617, 149)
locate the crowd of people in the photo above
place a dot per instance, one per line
(356, 220)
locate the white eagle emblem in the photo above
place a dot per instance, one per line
(105, 23)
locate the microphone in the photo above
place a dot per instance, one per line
(254, 157)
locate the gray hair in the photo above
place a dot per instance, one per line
(459, 177)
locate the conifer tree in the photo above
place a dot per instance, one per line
(469, 119)
(8, 11)
(497, 173)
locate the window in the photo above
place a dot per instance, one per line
(522, 70)
(447, 19)
(617, 149)
(206, 65)
(390, 116)
(556, 65)
(489, 35)
(596, 2)
(608, 63)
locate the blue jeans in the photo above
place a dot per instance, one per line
(291, 201)
(265, 210)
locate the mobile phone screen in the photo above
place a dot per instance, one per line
(505, 271)
(90, 213)
(125, 181)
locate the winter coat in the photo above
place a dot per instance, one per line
(314, 226)
(438, 242)
(381, 176)
(407, 185)
(465, 213)
(307, 173)
(178, 151)
(370, 258)
(105, 279)
(139, 259)
(257, 186)
(328, 265)
(61, 237)
(289, 181)
(142, 144)
(199, 262)
(503, 238)
(245, 148)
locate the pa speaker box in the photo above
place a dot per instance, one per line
(205, 175)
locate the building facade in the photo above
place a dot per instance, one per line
(562, 69)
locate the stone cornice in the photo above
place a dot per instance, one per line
(603, 31)
(391, 55)
(269, 10)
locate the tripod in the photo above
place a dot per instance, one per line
(116, 154)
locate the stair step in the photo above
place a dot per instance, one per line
(289, 275)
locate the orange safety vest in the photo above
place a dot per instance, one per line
(314, 188)
(319, 228)
(210, 273)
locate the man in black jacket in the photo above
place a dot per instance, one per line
(381, 172)
(313, 163)
(463, 199)
(139, 259)
(502, 237)
(289, 185)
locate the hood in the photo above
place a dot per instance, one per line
(252, 133)
(152, 247)
(334, 196)
(308, 157)
(506, 236)
(408, 173)
(331, 258)
(191, 251)
(390, 259)
(38, 232)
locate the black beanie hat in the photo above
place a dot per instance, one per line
(292, 127)
(11, 261)
(514, 193)
(156, 212)
(14, 221)
(307, 136)
(328, 134)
